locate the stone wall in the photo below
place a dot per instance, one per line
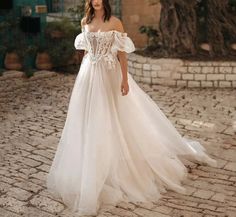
(176, 72)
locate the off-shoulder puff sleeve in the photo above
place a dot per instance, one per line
(80, 42)
(122, 43)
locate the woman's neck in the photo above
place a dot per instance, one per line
(99, 14)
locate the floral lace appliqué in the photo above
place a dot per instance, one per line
(100, 47)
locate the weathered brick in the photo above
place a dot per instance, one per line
(199, 77)
(206, 83)
(163, 74)
(225, 84)
(203, 194)
(207, 70)
(146, 66)
(194, 69)
(231, 77)
(213, 77)
(187, 76)
(225, 69)
(193, 83)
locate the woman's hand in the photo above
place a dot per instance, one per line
(124, 87)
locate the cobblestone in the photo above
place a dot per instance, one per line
(32, 115)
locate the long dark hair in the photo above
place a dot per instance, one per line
(90, 12)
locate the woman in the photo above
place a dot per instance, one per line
(116, 144)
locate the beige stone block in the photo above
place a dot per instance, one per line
(224, 64)
(213, 77)
(138, 72)
(146, 66)
(218, 197)
(136, 78)
(138, 65)
(163, 74)
(130, 63)
(225, 84)
(231, 77)
(205, 63)
(146, 73)
(204, 194)
(193, 83)
(199, 77)
(231, 166)
(175, 75)
(225, 69)
(207, 70)
(156, 67)
(145, 79)
(216, 83)
(19, 193)
(215, 63)
(170, 82)
(132, 57)
(154, 74)
(47, 204)
(181, 83)
(206, 206)
(12, 204)
(206, 83)
(192, 63)
(131, 70)
(187, 76)
(182, 69)
(216, 70)
(141, 59)
(162, 81)
(194, 69)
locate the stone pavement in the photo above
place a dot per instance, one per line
(32, 115)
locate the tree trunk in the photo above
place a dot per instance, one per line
(178, 26)
(219, 23)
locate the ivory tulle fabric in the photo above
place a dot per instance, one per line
(115, 148)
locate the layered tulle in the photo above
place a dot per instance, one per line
(116, 148)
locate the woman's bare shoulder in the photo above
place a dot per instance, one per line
(83, 21)
(117, 24)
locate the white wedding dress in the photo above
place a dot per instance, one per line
(115, 148)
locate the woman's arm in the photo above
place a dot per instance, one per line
(82, 27)
(123, 62)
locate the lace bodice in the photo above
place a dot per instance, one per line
(103, 45)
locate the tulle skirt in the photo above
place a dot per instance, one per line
(116, 148)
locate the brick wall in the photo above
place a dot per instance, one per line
(136, 13)
(177, 72)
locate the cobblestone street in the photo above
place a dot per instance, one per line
(32, 114)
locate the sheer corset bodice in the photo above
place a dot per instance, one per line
(104, 45)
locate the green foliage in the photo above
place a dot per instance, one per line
(65, 26)
(154, 40)
(61, 49)
(77, 13)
